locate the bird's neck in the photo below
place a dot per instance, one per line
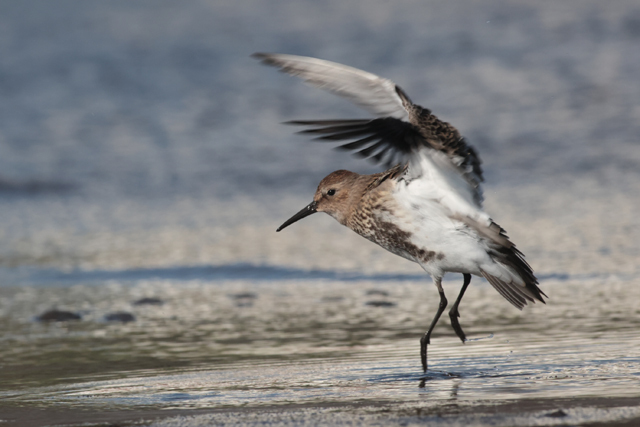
(371, 196)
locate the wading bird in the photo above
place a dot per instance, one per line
(427, 207)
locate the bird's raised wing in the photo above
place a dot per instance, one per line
(375, 94)
(402, 131)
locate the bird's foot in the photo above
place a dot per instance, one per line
(453, 315)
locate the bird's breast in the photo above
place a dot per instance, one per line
(385, 224)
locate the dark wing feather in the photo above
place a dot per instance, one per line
(387, 137)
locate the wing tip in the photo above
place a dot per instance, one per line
(267, 58)
(260, 56)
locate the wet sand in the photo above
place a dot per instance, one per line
(299, 351)
(597, 411)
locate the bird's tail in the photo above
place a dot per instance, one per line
(514, 280)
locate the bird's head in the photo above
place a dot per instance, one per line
(333, 196)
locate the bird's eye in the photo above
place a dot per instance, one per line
(331, 192)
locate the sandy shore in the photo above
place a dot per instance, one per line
(540, 412)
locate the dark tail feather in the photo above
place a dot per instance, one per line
(506, 291)
(513, 258)
(512, 292)
(503, 251)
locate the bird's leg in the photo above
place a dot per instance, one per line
(454, 314)
(426, 338)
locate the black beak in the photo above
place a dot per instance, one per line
(308, 210)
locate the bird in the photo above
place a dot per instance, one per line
(426, 206)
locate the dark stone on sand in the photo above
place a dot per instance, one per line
(557, 414)
(379, 292)
(120, 316)
(58, 316)
(148, 301)
(243, 295)
(380, 303)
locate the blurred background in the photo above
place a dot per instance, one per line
(142, 154)
(141, 134)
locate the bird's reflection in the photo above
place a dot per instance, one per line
(457, 380)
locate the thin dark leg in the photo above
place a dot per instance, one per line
(454, 314)
(426, 339)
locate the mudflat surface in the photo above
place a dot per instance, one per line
(608, 411)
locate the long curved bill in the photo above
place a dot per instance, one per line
(306, 211)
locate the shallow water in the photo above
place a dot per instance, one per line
(142, 156)
(235, 343)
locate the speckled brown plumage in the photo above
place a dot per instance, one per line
(367, 218)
